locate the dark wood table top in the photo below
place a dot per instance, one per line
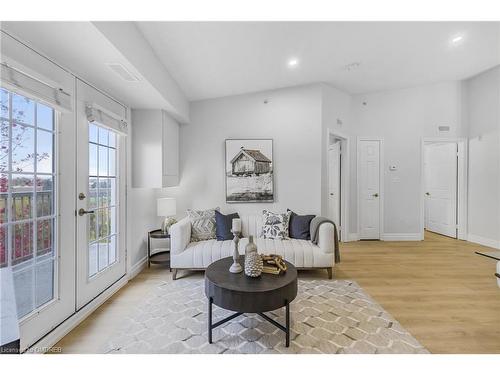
(218, 274)
(238, 292)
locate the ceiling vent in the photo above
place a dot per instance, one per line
(352, 66)
(123, 72)
(444, 128)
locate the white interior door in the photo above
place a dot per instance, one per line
(441, 188)
(369, 189)
(37, 212)
(100, 200)
(334, 183)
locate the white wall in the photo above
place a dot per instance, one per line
(402, 118)
(292, 118)
(482, 103)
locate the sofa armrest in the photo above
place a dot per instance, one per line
(326, 237)
(180, 236)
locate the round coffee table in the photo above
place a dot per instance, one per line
(242, 294)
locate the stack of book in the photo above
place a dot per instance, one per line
(273, 264)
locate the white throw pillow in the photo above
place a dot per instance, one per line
(202, 224)
(275, 226)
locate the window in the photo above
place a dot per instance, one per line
(27, 198)
(102, 228)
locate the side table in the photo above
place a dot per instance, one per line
(159, 257)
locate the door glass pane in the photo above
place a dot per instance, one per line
(92, 159)
(3, 245)
(44, 281)
(27, 196)
(23, 148)
(44, 117)
(92, 193)
(44, 151)
(102, 226)
(4, 145)
(4, 215)
(23, 110)
(103, 161)
(4, 103)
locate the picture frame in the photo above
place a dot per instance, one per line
(249, 171)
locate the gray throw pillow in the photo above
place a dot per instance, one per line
(202, 224)
(275, 226)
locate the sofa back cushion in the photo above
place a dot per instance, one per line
(251, 225)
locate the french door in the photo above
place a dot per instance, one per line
(100, 202)
(37, 233)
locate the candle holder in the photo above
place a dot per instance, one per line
(236, 267)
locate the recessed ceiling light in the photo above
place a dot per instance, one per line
(293, 63)
(457, 39)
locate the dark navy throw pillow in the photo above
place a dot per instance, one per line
(223, 225)
(299, 226)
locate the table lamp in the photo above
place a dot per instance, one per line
(167, 207)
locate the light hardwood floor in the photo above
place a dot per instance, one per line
(438, 289)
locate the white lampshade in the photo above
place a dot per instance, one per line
(166, 207)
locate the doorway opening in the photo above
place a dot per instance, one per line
(444, 187)
(338, 182)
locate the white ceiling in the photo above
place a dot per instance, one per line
(81, 47)
(213, 59)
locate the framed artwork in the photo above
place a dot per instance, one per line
(249, 170)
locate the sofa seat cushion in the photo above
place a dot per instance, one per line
(301, 253)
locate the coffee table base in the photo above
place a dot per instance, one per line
(285, 328)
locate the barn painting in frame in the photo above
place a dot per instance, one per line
(249, 170)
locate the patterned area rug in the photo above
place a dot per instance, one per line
(328, 316)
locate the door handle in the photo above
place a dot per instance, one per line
(331, 193)
(82, 212)
(375, 195)
(428, 194)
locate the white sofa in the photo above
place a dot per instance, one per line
(185, 254)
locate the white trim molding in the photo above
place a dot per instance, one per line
(401, 237)
(483, 241)
(137, 268)
(353, 237)
(54, 336)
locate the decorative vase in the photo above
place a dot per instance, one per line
(253, 261)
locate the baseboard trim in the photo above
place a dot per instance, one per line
(137, 268)
(54, 336)
(401, 237)
(483, 241)
(352, 237)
